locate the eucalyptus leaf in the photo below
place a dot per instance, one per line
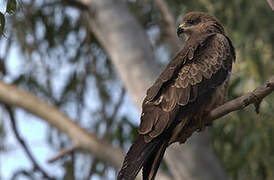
(2, 23)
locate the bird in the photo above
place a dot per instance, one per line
(194, 82)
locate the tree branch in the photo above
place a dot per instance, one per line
(116, 108)
(241, 102)
(110, 120)
(13, 96)
(23, 144)
(271, 4)
(127, 45)
(62, 154)
(236, 104)
(169, 19)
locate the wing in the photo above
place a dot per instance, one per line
(201, 66)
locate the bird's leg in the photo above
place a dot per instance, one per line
(201, 124)
(200, 120)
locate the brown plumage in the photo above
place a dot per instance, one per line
(193, 83)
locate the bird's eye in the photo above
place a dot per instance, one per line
(190, 22)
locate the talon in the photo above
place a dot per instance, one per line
(257, 103)
(209, 124)
(245, 101)
(270, 84)
(201, 125)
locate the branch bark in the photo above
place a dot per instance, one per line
(62, 154)
(241, 102)
(271, 4)
(126, 43)
(255, 97)
(169, 19)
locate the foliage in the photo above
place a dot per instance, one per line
(10, 9)
(2, 23)
(64, 64)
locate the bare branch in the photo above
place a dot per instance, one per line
(127, 45)
(115, 110)
(23, 144)
(234, 105)
(169, 19)
(62, 154)
(271, 4)
(13, 96)
(242, 101)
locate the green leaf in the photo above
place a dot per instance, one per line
(11, 6)
(2, 23)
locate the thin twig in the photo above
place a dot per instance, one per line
(62, 154)
(116, 108)
(233, 105)
(93, 167)
(242, 101)
(24, 146)
(111, 118)
(169, 19)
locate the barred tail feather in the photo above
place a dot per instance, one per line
(151, 166)
(139, 155)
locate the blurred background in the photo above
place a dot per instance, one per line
(49, 48)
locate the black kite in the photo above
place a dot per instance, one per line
(193, 83)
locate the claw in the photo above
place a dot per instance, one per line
(201, 125)
(257, 103)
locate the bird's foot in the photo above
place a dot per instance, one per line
(201, 125)
(257, 103)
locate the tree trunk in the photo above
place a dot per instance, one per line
(129, 49)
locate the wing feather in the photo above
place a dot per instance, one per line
(184, 95)
(160, 125)
(148, 119)
(199, 67)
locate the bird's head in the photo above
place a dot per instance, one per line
(196, 23)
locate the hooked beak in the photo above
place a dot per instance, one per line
(180, 29)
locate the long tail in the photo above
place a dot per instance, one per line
(142, 154)
(152, 164)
